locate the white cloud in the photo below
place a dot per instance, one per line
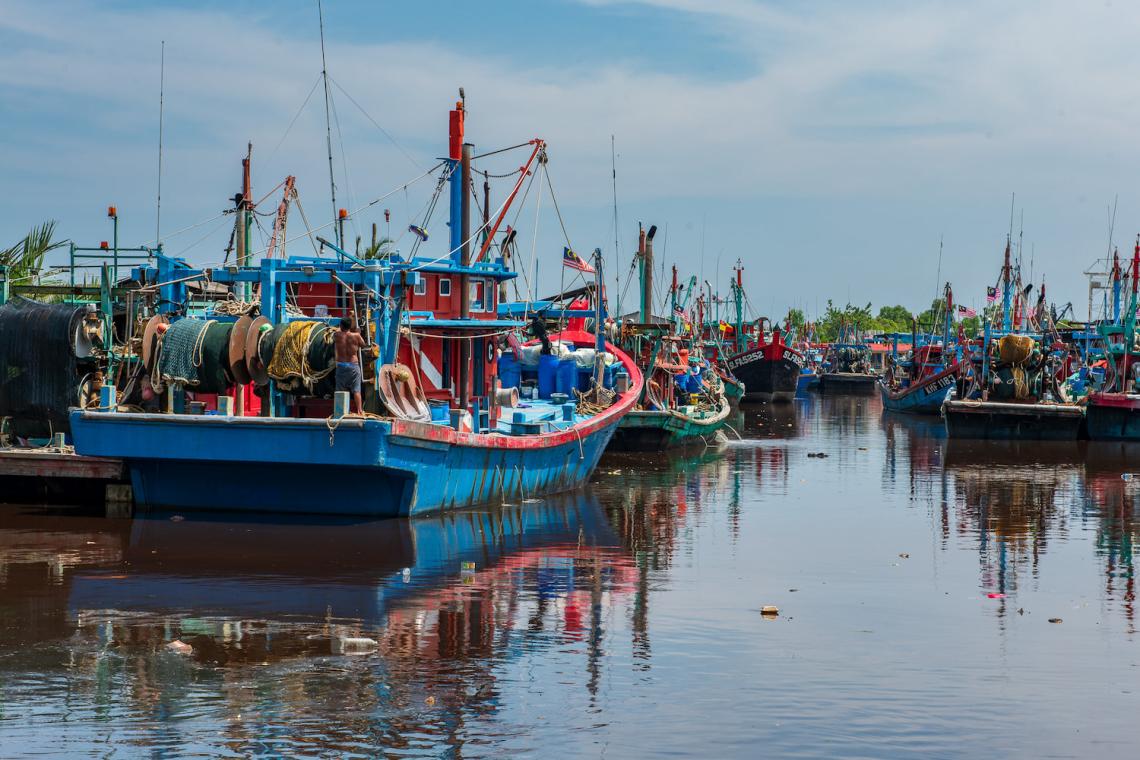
(921, 107)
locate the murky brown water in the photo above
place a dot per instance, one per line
(915, 582)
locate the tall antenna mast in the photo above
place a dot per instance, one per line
(161, 87)
(938, 274)
(617, 235)
(328, 121)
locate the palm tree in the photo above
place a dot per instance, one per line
(25, 259)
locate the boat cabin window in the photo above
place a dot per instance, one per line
(444, 286)
(421, 287)
(478, 289)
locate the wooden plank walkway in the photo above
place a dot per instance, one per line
(54, 463)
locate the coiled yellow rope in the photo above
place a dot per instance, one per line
(291, 354)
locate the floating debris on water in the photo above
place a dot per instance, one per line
(180, 647)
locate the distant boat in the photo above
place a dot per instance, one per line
(684, 399)
(924, 396)
(1011, 382)
(848, 363)
(1114, 413)
(922, 381)
(768, 367)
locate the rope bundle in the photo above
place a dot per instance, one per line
(596, 400)
(302, 355)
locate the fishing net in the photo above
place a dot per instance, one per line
(181, 346)
(302, 356)
(38, 367)
(1015, 349)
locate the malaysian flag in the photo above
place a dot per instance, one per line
(679, 313)
(991, 294)
(966, 311)
(574, 261)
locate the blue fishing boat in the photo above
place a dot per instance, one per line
(807, 381)
(920, 382)
(446, 430)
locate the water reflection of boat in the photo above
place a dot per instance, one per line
(441, 604)
(965, 451)
(309, 570)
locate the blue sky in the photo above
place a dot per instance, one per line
(828, 145)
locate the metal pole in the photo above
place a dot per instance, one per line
(328, 120)
(464, 285)
(113, 212)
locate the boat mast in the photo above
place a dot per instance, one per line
(738, 294)
(949, 318)
(455, 177)
(1130, 320)
(673, 300)
(1116, 287)
(328, 125)
(161, 93)
(1006, 291)
(645, 270)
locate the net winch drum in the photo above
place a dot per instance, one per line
(238, 337)
(152, 336)
(257, 367)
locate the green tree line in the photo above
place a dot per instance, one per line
(888, 319)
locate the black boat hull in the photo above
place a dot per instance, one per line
(998, 421)
(766, 379)
(848, 382)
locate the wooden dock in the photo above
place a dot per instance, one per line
(58, 475)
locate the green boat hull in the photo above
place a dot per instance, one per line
(643, 430)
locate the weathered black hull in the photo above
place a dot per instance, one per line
(1113, 417)
(997, 421)
(768, 379)
(847, 382)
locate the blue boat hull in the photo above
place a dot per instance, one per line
(360, 467)
(920, 399)
(807, 381)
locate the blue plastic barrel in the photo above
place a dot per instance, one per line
(510, 373)
(547, 370)
(567, 378)
(609, 376)
(439, 411)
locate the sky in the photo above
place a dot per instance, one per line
(834, 148)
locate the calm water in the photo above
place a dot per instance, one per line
(915, 582)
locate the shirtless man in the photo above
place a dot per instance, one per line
(348, 342)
